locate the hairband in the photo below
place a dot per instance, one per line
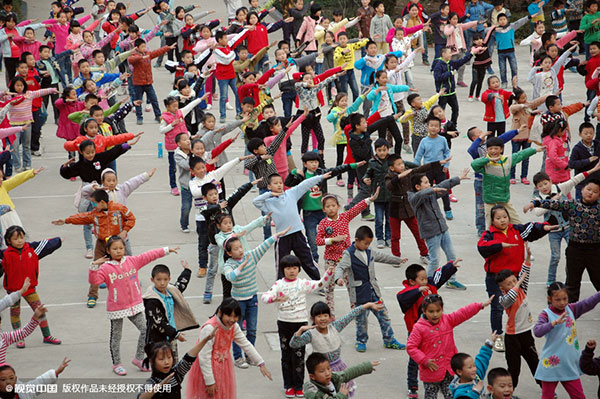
(326, 196)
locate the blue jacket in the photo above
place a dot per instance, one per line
(442, 73)
(477, 12)
(505, 37)
(482, 361)
(579, 160)
(375, 98)
(370, 65)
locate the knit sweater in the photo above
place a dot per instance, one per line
(243, 283)
(380, 25)
(432, 149)
(21, 111)
(329, 228)
(584, 220)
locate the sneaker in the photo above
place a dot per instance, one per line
(185, 230)
(470, 99)
(455, 285)
(139, 122)
(91, 303)
(394, 344)
(425, 62)
(290, 393)
(453, 198)
(241, 363)
(299, 393)
(148, 108)
(51, 340)
(201, 273)
(36, 153)
(73, 179)
(412, 394)
(513, 181)
(322, 290)
(388, 243)
(138, 364)
(368, 218)
(424, 259)
(102, 286)
(449, 215)
(504, 85)
(118, 369)
(244, 325)
(208, 107)
(490, 70)
(157, 119)
(340, 183)
(228, 106)
(360, 347)
(21, 344)
(461, 84)
(499, 344)
(207, 298)
(406, 148)
(548, 283)
(525, 181)
(254, 189)
(380, 244)
(156, 65)
(175, 191)
(89, 254)
(222, 120)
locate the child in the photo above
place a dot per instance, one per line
(167, 312)
(499, 384)
(325, 384)
(212, 373)
(544, 78)
(481, 62)
(435, 148)
(584, 155)
(504, 34)
(590, 33)
(559, 360)
(358, 262)
(21, 261)
(344, 55)
(166, 378)
(182, 161)
(558, 17)
(225, 74)
(290, 293)
(90, 131)
(470, 373)
(587, 363)
(417, 114)
(119, 273)
(26, 389)
(556, 142)
(375, 177)
(431, 343)
(365, 15)
(456, 41)
(11, 218)
(496, 106)
(380, 25)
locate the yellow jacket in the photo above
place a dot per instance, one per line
(408, 116)
(339, 58)
(11, 183)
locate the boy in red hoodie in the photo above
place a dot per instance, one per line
(225, 74)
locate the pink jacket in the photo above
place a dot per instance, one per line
(123, 287)
(307, 33)
(28, 46)
(67, 129)
(168, 117)
(407, 31)
(62, 31)
(88, 49)
(428, 341)
(451, 40)
(557, 158)
(280, 156)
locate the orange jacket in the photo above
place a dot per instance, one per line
(142, 65)
(106, 223)
(101, 142)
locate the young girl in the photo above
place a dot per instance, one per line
(503, 247)
(273, 127)
(8, 380)
(208, 126)
(413, 20)
(559, 360)
(306, 34)
(11, 218)
(455, 39)
(402, 43)
(431, 343)
(211, 158)
(212, 374)
(159, 357)
(21, 261)
(290, 294)
(75, 40)
(496, 106)
(258, 38)
(8, 338)
(556, 141)
(481, 63)
(334, 233)
(324, 334)
(66, 105)
(544, 78)
(117, 192)
(119, 273)
(89, 131)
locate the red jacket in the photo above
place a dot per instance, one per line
(590, 67)
(257, 39)
(33, 83)
(252, 90)
(142, 65)
(20, 264)
(489, 100)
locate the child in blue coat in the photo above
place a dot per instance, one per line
(470, 373)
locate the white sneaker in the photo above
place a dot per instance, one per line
(499, 344)
(424, 259)
(186, 230)
(89, 254)
(228, 106)
(241, 363)
(208, 106)
(380, 244)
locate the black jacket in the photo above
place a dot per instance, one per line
(90, 171)
(212, 212)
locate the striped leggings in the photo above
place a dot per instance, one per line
(116, 332)
(33, 300)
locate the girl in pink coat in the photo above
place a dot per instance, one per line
(455, 40)
(557, 150)
(431, 343)
(119, 273)
(67, 104)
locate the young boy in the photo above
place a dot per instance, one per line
(495, 171)
(375, 177)
(432, 226)
(343, 56)
(358, 263)
(435, 148)
(588, 24)
(584, 155)
(505, 43)
(312, 209)
(518, 340)
(284, 208)
(470, 373)
(444, 69)
(244, 64)
(499, 384)
(167, 312)
(559, 17)
(365, 14)
(326, 384)
(225, 73)
(416, 287)
(182, 160)
(417, 114)
(438, 20)
(380, 25)
(536, 12)
(50, 64)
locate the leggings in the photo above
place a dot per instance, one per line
(477, 81)
(210, 88)
(10, 68)
(340, 157)
(116, 331)
(432, 388)
(573, 388)
(33, 300)
(312, 123)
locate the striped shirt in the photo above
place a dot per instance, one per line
(559, 20)
(514, 301)
(21, 112)
(8, 338)
(243, 283)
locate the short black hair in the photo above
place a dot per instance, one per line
(254, 143)
(497, 372)
(551, 100)
(592, 181)
(43, 47)
(100, 195)
(94, 53)
(503, 275)
(470, 133)
(248, 100)
(313, 360)
(195, 161)
(160, 269)
(432, 118)
(416, 180)
(139, 42)
(412, 271)
(457, 362)
(502, 15)
(271, 177)
(393, 158)
(363, 232)
(495, 142)
(540, 177)
(219, 35)
(355, 119)
(381, 142)
(585, 125)
(289, 261)
(310, 156)
(179, 136)
(411, 97)
(342, 34)
(82, 61)
(208, 187)
(95, 108)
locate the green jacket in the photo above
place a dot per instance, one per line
(496, 175)
(377, 171)
(591, 31)
(314, 390)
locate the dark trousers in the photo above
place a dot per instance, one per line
(172, 169)
(518, 345)
(453, 102)
(288, 98)
(170, 40)
(226, 287)
(496, 310)
(391, 126)
(437, 176)
(497, 128)
(150, 95)
(292, 360)
(574, 25)
(36, 130)
(202, 230)
(46, 101)
(364, 191)
(10, 68)
(477, 81)
(312, 123)
(412, 374)
(288, 28)
(579, 259)
(5, 166)
(296, 242)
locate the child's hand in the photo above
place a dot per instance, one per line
(527, 252)
(340, 238)
(373, 305)
(39, 312)
(439, 190)
(268, 216)
(25, 286)
(456, 262)
(265, 372)
(551, 228)
(367, 181)
(375, 363)
(281, 298)
(123, 234)
(185, 264)
(282, 233)
(423, 288)
(151, 173)
(591, 344)
(508, 245)
(69, 162)
(375, 195)
(326, 175)
(540, 149)
(479, 386)
(493, 336)
(63, 366)
(361, 163)
(303, 329)
(99, 261)
(243, 264)
(340, 282)
(465, 174)
(223, 205)
(255, 182)
(486, 303)
(240, 234)
(528, 207)
(181, 337)
(560, 320)
(265, 157)
(174, 249)
(431, 365)
(344, 389)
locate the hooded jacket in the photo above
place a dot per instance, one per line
(442, 73)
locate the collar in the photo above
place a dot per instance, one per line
(288, 280)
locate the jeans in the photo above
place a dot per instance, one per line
(213, 266)
(479, 206)
(434, 244)
(412, 373)
(512, 61)
(516, 147)
(349, 79)
(362, 325)
(555, 238)
(86, 206)
(64, 63)
(150, 95)
(382, 215)
(267, 226)
(311, 221)
(202, 230)
(172, 169)
(223, 85)
(288, 98)
(250, 314)
(438, 50)
(425, 55)
(186, 206)
(496, 309)
(22, 139)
